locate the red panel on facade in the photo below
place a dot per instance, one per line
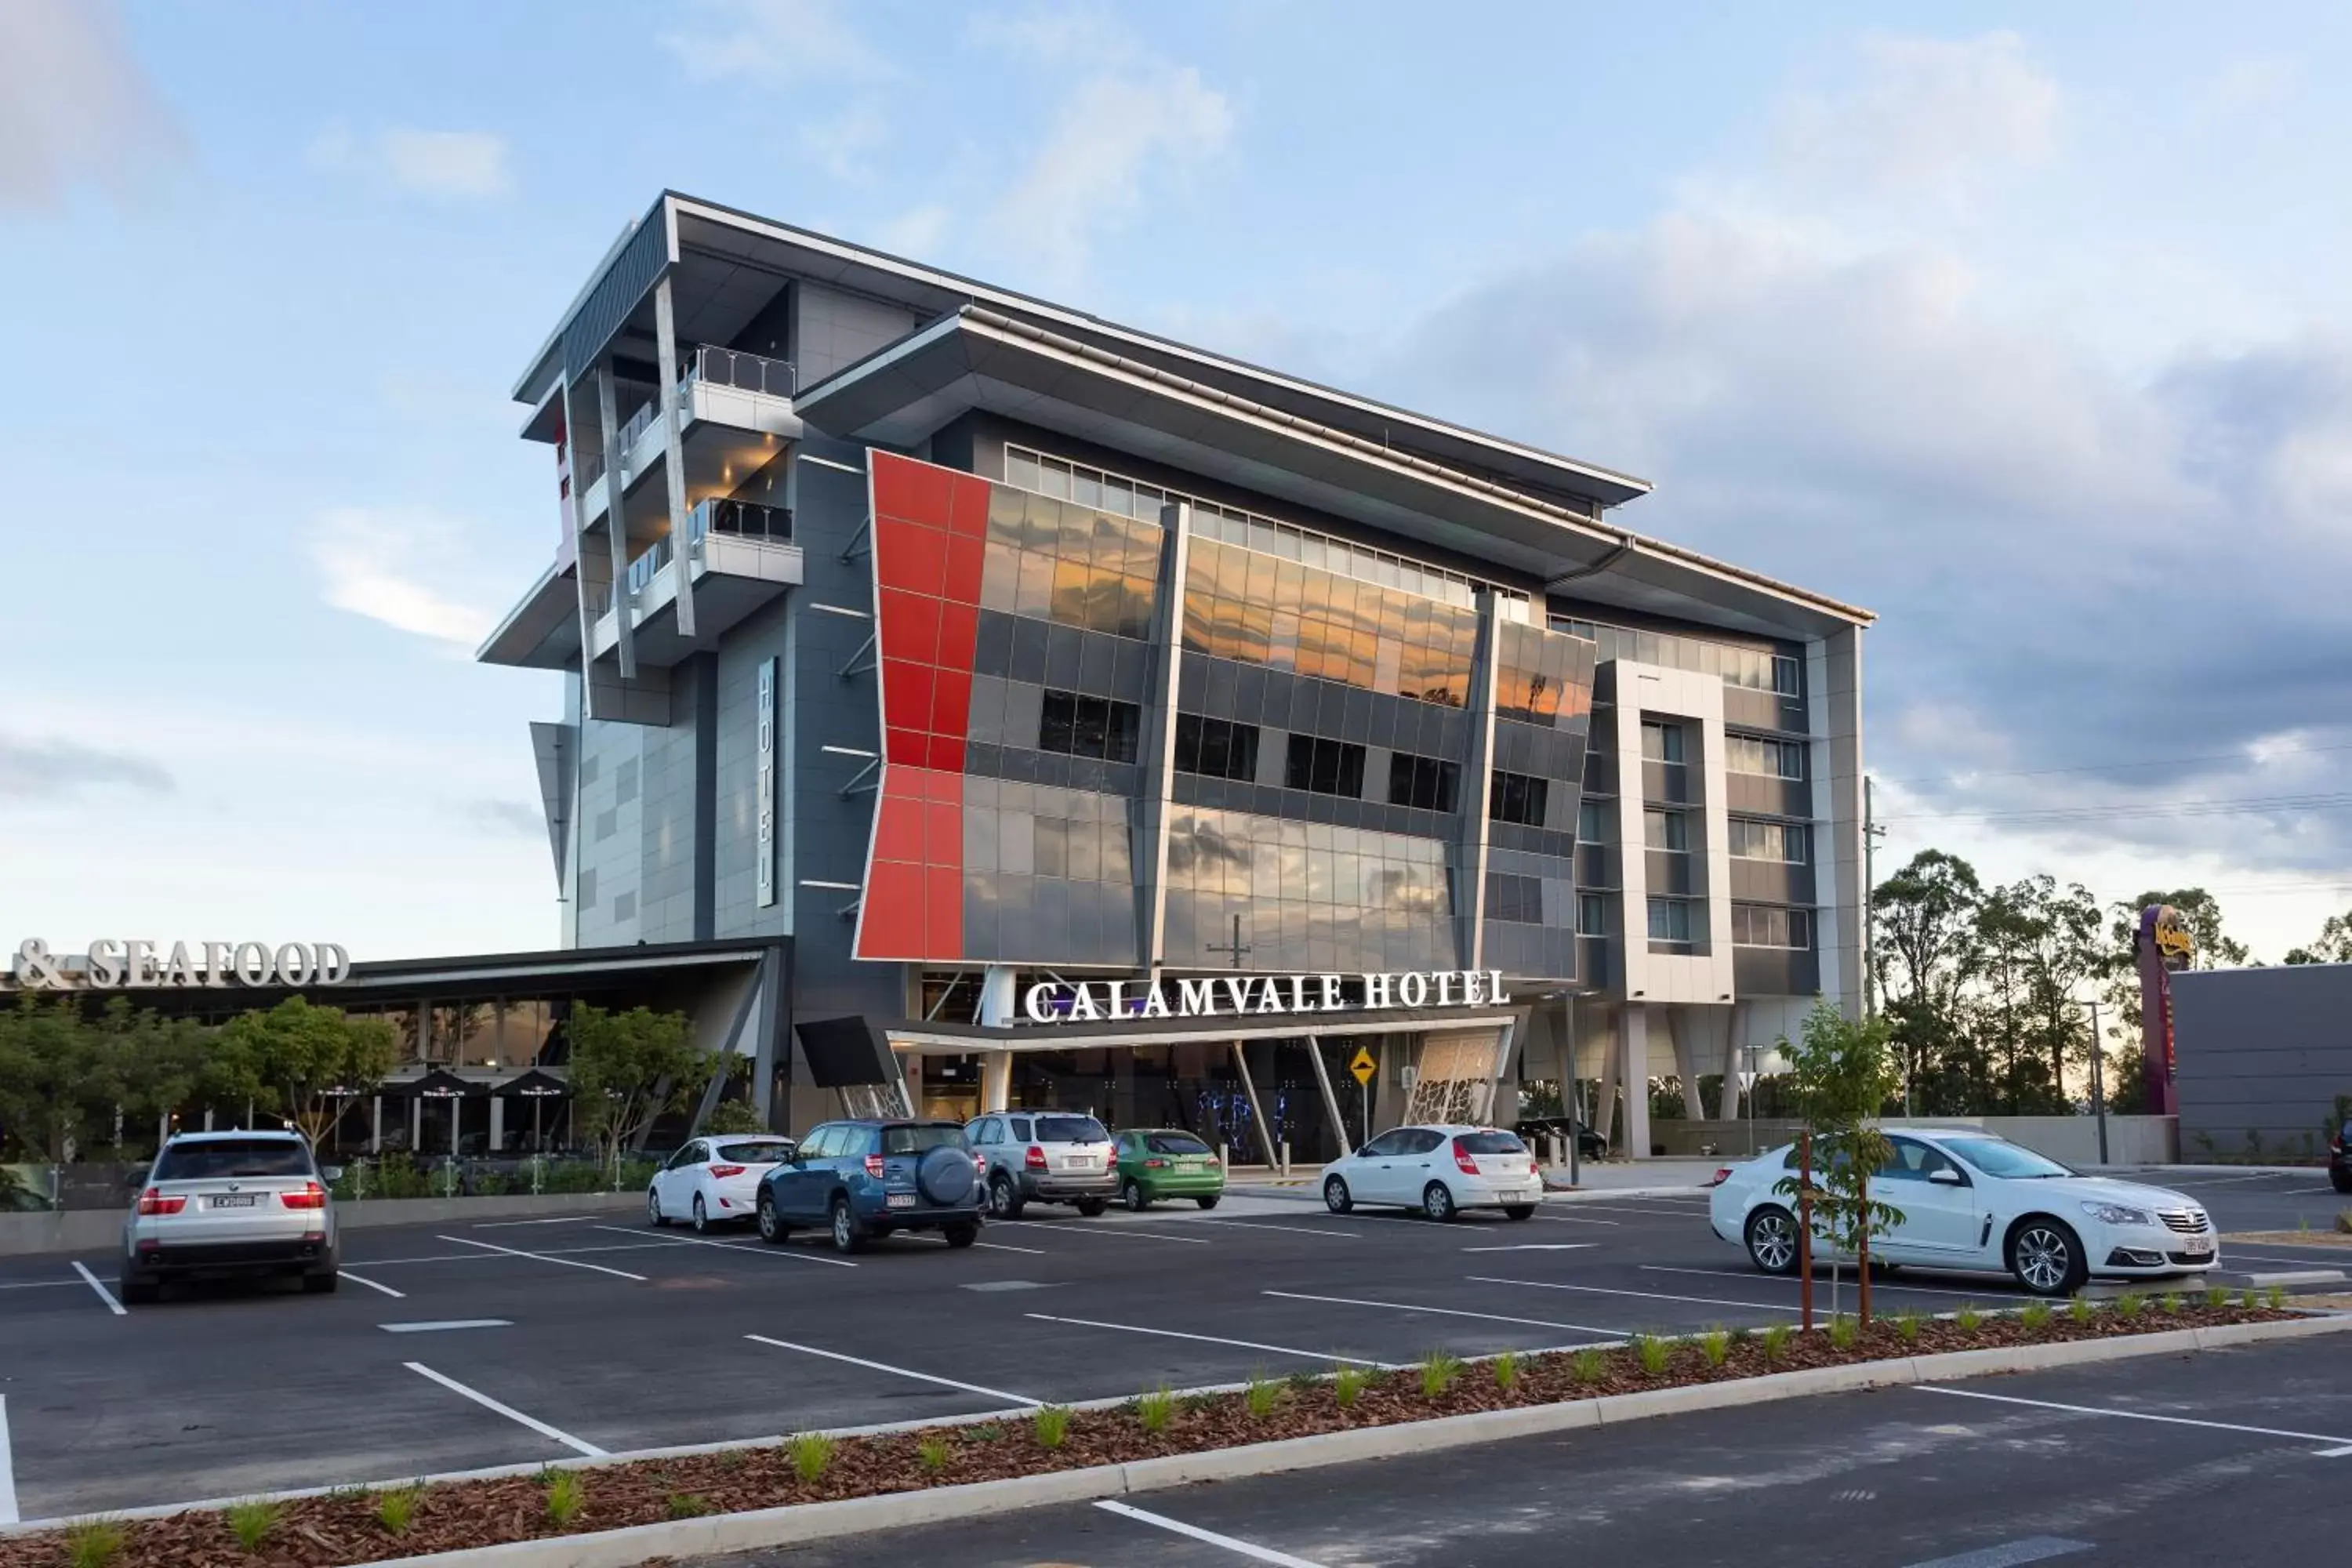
(958, 637)
(906, 694)
(911, 556)
(943, 912)
(898, 827)
(908, 748)
(891, 921)
(968, 506)
(946, 754)
(942, 833)
(910, 626)
(951, 703)
(894, 486)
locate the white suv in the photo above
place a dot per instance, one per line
(230, 1203)
(1045, 1157)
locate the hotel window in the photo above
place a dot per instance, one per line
(1516, 797)
(1666, 830)
(1669, 919)
(1759, 925)
(1422, 782)
(1662, 743)
(1784, 675)
(1214, 747)
(1772, 759)
(1096, 727)
(1516, 900)
(1325, 767)
(1592, 915)
(1768, 841)
(1592, 822)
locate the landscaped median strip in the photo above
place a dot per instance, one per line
(623, 1510)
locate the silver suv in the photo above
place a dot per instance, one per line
(1045, 1157)
(230, 1203)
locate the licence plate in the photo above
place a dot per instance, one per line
(1194, 1162)
(899, 1201)
(2197, 1247)
(236, 1200)
(1079, 1163)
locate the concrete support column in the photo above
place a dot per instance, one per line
(375, 1124)
(1257, 1111)
(497, 1122)
(996, 1080)
(911, 1067)
(1735, 1057)
(415, 1124)
(1612, 1058)
(1683, 1029)
(1634, 1044)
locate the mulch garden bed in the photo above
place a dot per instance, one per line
(363, 1526)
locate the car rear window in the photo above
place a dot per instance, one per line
(1489, 1144)
(227, 1157)
(763, 1154)
(922, 1140)
(1174, 1143)
(1070, 1129)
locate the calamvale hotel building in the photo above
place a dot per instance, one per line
(969, 703)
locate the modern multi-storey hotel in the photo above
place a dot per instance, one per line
(967, 698)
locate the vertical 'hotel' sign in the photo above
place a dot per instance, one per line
(766, 766)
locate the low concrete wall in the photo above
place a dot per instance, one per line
(100, 1230)
(2070, 1140)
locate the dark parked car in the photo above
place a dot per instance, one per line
(1535, 1129)
(867, 1178)
(2339, 1159)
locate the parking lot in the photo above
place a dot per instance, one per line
(461, 1346)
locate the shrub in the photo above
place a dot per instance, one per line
(1845, 1332)
(1506, 1372)
(1585, 1366)
(395, 1508)
(1653, 1353)
(933, 1452)
(2274, 1297)
(251, 1521)
(1742, 1334)
(1970, 1317)
(1715, 1346)
(1348, 1382)
(1908, 1323)
(1155, 1408)
(2079, 1309)
(1052, 1425)
(2344, 1222)
(1775, 1341)
(1439, 1371)
(2248, 1299)
(567, 1494)
(687, 1505)
(2169, 1302)
(2128, 1306)
(2035, 1315)
(1259, 1398)
(1302, 1381)
(2216, 1297)
(93, 1542)
(811, 1455)
(987, 1432)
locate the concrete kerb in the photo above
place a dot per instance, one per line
(802, 1523)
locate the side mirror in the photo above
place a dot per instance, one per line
(330, 1175)
(1946, 1177)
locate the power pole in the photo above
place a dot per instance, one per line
(1237, 948)
(2098, 1080)
(1870, 833)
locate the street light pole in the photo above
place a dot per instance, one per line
(2098, 1080)
(1574, 1102)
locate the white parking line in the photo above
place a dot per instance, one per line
(1204, 1339)
(2342, 1446)
(560, 1219)
(509, 1411)
(1007, 1247)
(104, 1294)
(2011, 1553)
(1534, 1246)
(363, 1280)
(544, 1252)
(1446, 1313)
(1648, 1295)
(763, 1250)
(1254, 1225)
(1576, 1219)
(41, 1285)
(546, 1258)
(1132, 1232)
(1177, 1526)
(1646, 1213)
(7, 1469)
(897, 1370)
(436, 1328)
(2002, 1290)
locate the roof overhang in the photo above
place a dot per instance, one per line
(543, 631)
(975, 358)
(911, 1035)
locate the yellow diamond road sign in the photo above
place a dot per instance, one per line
(1363, 1066)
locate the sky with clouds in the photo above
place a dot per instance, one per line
(2028, 331)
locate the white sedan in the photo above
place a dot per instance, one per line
(1437, 1171)
(1972, 1200)
(716, 1179)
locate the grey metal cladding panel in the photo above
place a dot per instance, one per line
(616, 294)
(1771, 882)
(1665, 783)
(1747, 707)
(1770, 971)
(1670, 873)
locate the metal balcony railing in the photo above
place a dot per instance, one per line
(740, 520)
(647, 565)
(744, 371)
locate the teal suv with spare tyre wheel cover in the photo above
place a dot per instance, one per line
(857, 1179)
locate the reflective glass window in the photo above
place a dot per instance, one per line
(1215, 747)
(1429, 784)
(1325, 766)
(1591, 821)
(1518, 797)
(1662, 743)
(1669, 919)
(1666, 829)
(1080, 726)
(1513, 898)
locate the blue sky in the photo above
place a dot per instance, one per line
(2025, 328)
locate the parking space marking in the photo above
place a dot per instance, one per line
(1133, 1233)
(2341, 1446)
(104, 1294)
(1020, 1399)
(363, 1280)
(40, 1285)
(1177, 1527)
(1254, 1225)
(1204, 1339)
(435, 1328)
(1574, 1219)
(509, 1411)
(546, 1258)
(7, 1470)
(2011, 1553)
(1650, 1295)
(2000, 1291)
(763, 1250)
(1008, 1247)
(1534, 1246)
(1448, 1312)
(559, 1220)
(1645, 1214)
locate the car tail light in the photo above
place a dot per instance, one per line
(980, 1166)
(726, 1170)
(874, 1166)
(1462, 1162)
(1035, 1159)
(1722, 1174)
(154, 1202)
(311, 1197)
(1155, 1163)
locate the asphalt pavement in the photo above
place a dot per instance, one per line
(503, 1343)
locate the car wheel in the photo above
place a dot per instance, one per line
(1335, 1195)
(1437, 1201)
(2046, 1256)
(1772, 1240)
(1518, 1211)
(1003, 1198)
(1209, 1202)
(701, 1219)
(2340, 1180)
(848, 1236)
(135, 1292)
(653, 1208)
(1131, 1194)
(963, 1233)
(772, 1228)
(1092, 1207)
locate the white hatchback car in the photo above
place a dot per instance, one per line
(715, 1179)
(1972, 1200)
(1438, 1170)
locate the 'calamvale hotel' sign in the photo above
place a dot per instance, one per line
(1230, 996)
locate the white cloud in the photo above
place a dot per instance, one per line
(2247, 86)
(460, 164)
(1929, 117)
(918, 231)
(1056, 35)
(368, 563)
(774, 40)
(57, 769)
(74, 104)
(1117, 132)
(845, 145)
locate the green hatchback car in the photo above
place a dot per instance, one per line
(1167, 1162)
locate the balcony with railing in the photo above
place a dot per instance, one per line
(735, 416)
(739, 556)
